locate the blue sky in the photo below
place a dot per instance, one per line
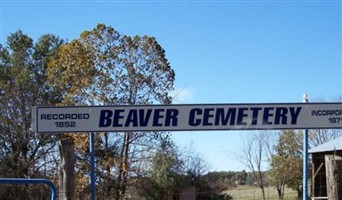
(221, 51)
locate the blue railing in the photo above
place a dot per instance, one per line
(31, 181)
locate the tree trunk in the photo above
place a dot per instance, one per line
(122, 177)
(280, 190)
(299, 192)
(108, 185)
(67, 178)
(263, 193)
(261, 184)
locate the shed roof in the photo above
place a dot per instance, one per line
(332, 145)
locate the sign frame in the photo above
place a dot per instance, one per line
(204, 117)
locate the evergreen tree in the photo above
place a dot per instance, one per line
(286, 164)
(23, 85)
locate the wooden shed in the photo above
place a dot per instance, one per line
(327, 170)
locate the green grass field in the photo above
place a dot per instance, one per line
(254, 193)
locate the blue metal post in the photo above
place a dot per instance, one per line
(305, 158)
(31, 181)
(92, 166)
(305, 165)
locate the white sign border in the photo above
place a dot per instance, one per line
(210, 128)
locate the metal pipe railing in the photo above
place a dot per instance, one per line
(31, 181)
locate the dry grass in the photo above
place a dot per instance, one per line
(254, 193)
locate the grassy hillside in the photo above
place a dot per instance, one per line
(254, 193)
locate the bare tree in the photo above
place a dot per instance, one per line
(254, 153)
(320, 136)
(194, 165)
